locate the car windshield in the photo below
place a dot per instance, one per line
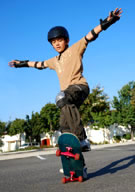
(25, 144)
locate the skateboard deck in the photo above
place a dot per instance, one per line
(71, 157)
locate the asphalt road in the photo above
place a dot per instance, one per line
(109, 170)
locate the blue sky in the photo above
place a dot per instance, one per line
(109, 61)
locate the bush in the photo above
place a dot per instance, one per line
(117, 138)
(1, 143)
(28, 148)
(45, 146)
(127, 136)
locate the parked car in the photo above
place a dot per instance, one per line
(35, 144)
(25, 145)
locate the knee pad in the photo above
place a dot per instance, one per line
(61, 99)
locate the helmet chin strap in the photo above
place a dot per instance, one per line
(64, 49)
(62, 52)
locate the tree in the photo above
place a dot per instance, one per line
(2, 130)
(133, 97)
(36, 126)
(124, 105)
(33, 127)
(46, 121)
(17, 127)
(28, 129)
(95, 109)
(50, 115)
(102, 119)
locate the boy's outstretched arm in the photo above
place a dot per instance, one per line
(27, 63)
(104, 24)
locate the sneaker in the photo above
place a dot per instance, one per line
(85, 175)
(61, 170)
(85, 145)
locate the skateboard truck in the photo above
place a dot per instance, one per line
(68, 153)
(72, 178)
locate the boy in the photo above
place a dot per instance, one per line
(69, 68)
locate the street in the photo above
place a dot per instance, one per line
(110, 169)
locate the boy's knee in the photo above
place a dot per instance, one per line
(63, 99)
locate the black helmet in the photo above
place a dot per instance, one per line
(57, 31)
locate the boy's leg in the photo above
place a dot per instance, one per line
(70, 120)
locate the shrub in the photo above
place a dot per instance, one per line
(127, 136)
(117, 138)
(1, 143)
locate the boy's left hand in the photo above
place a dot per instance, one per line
(117, 12)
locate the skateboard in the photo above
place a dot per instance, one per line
(71, 157)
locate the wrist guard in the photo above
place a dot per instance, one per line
(21, 64)
(105, 24)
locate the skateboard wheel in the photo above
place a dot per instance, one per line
(80, 179)
(58, 153)
(63, 180)
(77, 156)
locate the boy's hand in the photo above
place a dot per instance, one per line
(17, 63)
(113, 17)
(13, 63)
(117, 13)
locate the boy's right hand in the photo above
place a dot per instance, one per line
(17, 63)
(13, 63)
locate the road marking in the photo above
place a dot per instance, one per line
(113, 149)
(42, 158)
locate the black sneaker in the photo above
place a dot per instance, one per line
(85, 145)
(85, 175)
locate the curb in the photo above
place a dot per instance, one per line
(49, 151)
(26, 154)
(112, 145)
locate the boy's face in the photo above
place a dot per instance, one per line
(59, 44)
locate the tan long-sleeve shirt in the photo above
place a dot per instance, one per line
(68, 65)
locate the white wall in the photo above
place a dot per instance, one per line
(106, 134)
(53, 138)
(96, 136)
(11, 143)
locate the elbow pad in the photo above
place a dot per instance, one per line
(94, 36)
(42, 65)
